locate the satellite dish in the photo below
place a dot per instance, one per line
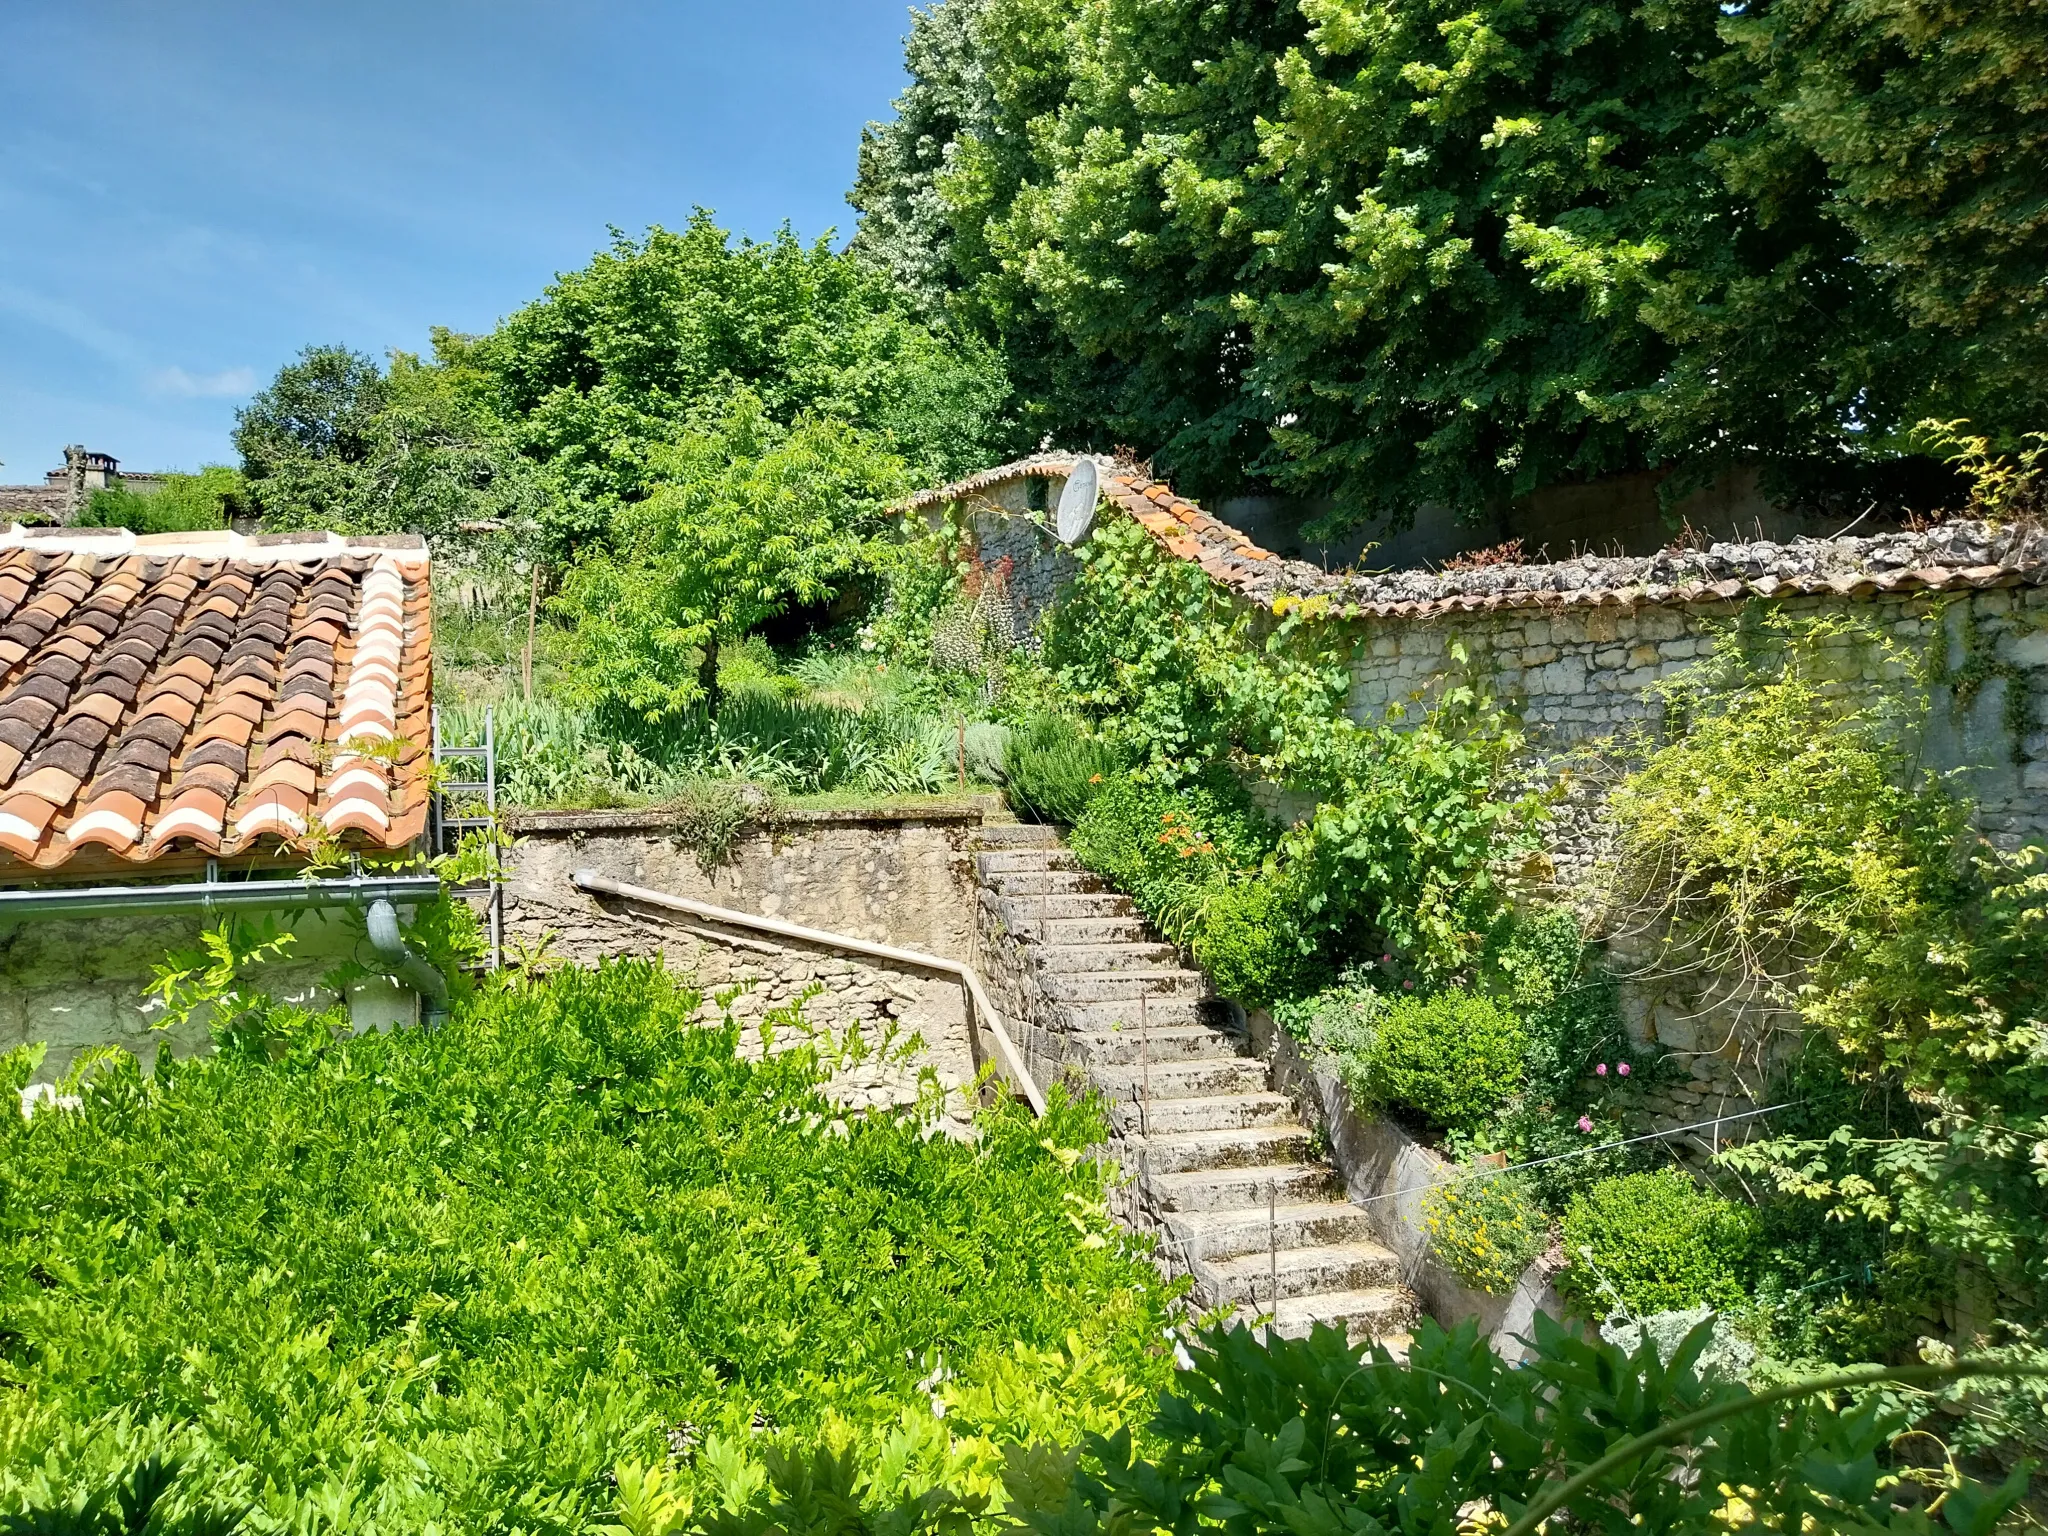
(1077, 503)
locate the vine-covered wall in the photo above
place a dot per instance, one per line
(1584, 680)
(1579, 651)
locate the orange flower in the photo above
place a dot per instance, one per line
(1187, 853)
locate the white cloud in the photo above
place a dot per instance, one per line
(176, 381)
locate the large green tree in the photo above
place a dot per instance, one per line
(616, 359)
(748, 518)
(337, 442)
(1444, 252)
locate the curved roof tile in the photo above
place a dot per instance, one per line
(181, 691)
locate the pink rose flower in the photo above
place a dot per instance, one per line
(1585, 1122)
(1407, 986)
(1389, 959)
(1622, 1069)
(1601, 1070)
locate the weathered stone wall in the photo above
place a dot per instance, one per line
(902, 879)
(75, 982)
(1584, 680)
(34, 503)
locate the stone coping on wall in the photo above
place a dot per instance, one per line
(658, 819)
(1951, 556)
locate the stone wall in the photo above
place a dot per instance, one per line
(1584, 680)
(34, 504)
(903, 879)
(75, 982)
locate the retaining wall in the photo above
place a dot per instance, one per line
(901, 878)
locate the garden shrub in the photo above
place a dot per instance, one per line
(1656, 1242)
(451, 1277)
(178, 504)
(1245, 939)
(1789, 835)
(1453, 1057)
(1053, 768)
(1486, 1228)
(1337, 1021)
(1169, 849)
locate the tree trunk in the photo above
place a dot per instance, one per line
(707, 675)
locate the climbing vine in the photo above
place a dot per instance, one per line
(1410, 818)
(1789, 838)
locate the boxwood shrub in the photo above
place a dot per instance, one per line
(1453, 1057)
(1663, 1242)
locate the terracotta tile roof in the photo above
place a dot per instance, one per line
(1952, 556)
(1051, 465)
(209, 693)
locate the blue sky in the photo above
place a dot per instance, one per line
(191, 192)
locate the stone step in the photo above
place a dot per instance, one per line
(1015, 834)
(1123, 1015)
(1102, 959)
(1023, 914)
(1246, 1280)
(1226, 1189)
(1124, 1045)
(1219, 1235)
(1162, 1080)
(1125, 986)
(1086, 930)
(1231, 1112)
(1048, 883)
(1022, 861)
(1382, 1314)
(1184, 1151)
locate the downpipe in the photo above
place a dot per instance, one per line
(403, 964)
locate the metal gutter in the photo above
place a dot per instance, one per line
(981, 1013)
(217, 895)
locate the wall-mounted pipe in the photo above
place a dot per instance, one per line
(981, 1011)
(217, 895)
(404, 965)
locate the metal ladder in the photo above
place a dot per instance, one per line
(447, 830)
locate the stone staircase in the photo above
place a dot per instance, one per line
(1223, 1171)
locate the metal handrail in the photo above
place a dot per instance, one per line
(980, 1009)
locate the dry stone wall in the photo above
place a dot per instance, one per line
(902, 879)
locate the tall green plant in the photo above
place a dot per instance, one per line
(747, 520)
(1788, 837)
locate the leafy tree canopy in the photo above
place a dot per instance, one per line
(1432, 253)
(573, 407)
(337, 442)
(620, 357)
(747, 519)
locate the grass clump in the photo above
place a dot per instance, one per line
(451, 1278)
